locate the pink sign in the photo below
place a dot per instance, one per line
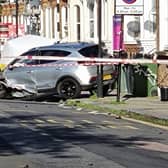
(117, 33)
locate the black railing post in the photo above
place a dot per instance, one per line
(99, 67)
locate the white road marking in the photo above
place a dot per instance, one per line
(39, 121)
(88, 121)
(52, 121)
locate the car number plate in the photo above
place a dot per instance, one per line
(107, 77)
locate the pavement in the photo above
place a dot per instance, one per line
(151, 106)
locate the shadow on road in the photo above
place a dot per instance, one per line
(55, 140)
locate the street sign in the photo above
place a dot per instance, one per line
(129, 1)
(129, 7)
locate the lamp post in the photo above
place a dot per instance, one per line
(17, 7)
(99, 67)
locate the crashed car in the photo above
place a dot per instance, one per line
(30, 77)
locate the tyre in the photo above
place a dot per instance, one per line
(2, 91)
(68, 88)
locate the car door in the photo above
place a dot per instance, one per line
(48, 71)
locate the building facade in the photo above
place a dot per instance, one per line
(142, 29)
(54, 19)
(137, 29)
(83, 21)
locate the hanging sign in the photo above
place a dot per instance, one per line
(129, 7)
(129, 1)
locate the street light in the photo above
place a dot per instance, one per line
(17, 7)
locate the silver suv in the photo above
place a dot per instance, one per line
(25, 77)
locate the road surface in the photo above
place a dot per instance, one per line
(52, 135)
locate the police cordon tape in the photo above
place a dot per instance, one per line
(95, 60)
(72, 61)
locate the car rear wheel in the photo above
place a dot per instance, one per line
(68, 88)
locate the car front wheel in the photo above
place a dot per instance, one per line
(2, 91)
(68, 88)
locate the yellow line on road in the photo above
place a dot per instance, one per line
(131, 127)
(44, 134)
(24, 125)
(39, 121)
(69, 125)
(78, 125)
(24, 121)
(40, 125)
(79, 109)
(93, 112)
(52, 121)
(69, 121)
(88, 121)
(111, 126)
(146, 123)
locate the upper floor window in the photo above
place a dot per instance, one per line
(91, 20)
(78, 20)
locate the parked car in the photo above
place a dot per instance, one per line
(26, 77)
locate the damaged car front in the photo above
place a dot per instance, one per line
(16, 81)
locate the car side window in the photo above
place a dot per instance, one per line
(31, 62)
(90, 52)
(43, 52)
(93, 52)
(57, 53)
